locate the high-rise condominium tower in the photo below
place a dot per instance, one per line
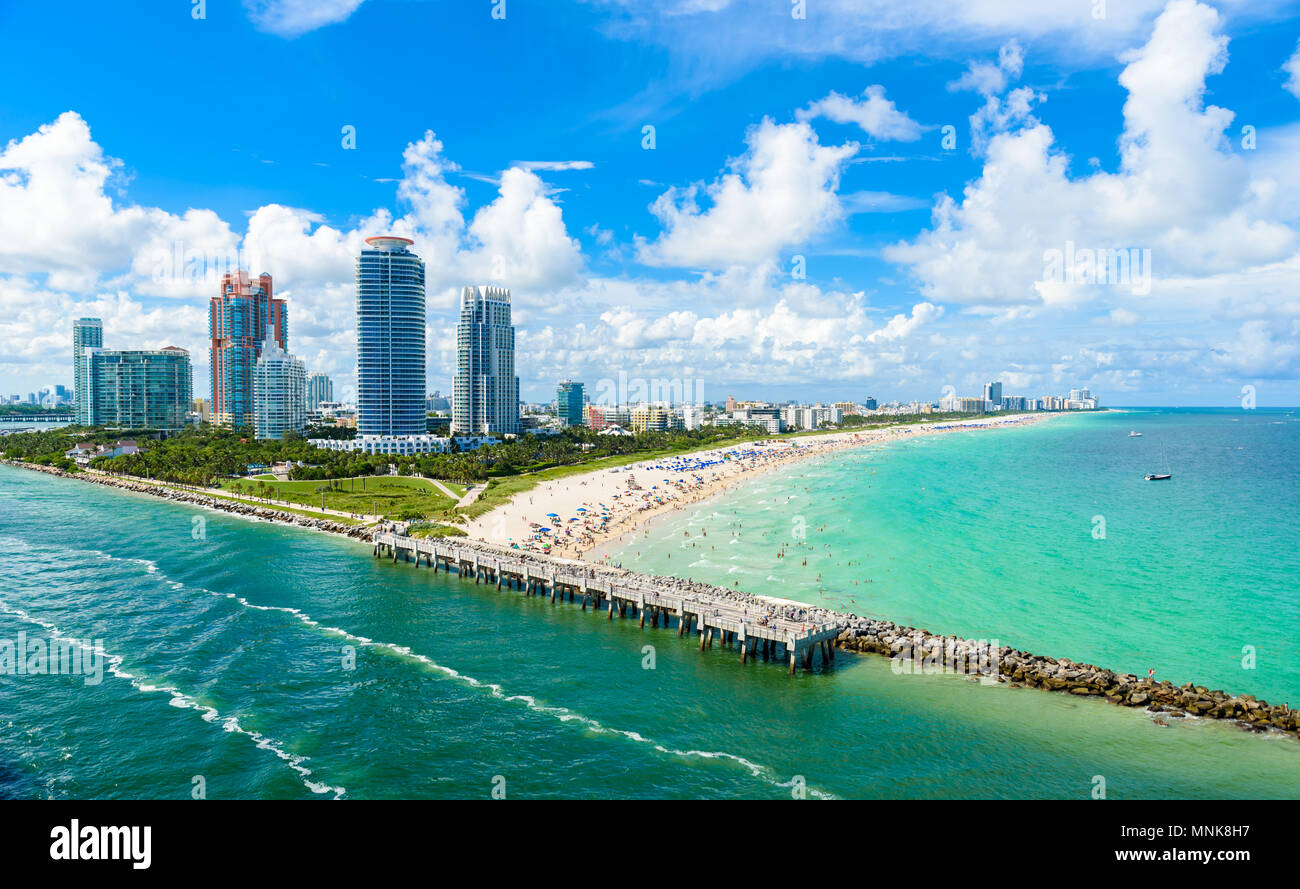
(319, 388)
(241, 317)
(485, 398)
(279, 393)
(87, 333)
(993, 394)
(569, 402)
(390, 339)
(138, 389)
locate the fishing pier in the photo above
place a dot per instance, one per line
(758, 627)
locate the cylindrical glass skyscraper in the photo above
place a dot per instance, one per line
(390, 339)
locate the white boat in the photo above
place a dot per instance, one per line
(1135, 434)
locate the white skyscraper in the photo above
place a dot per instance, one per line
(485, 391)
(279, 392)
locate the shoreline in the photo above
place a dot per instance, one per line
(175, 494)
(917, 649)
(605, 549)
(880, 636)
(622, 506)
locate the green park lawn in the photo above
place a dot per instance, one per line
(393, 495)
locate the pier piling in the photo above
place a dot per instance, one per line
(648, 598)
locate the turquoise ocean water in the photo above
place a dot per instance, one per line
(229, 654)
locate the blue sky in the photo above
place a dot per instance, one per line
(149, 142)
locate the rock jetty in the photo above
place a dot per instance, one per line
(1021, 668)
(181, 495)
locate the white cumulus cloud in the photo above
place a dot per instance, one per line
(290, 18)
(782, 191)
(874, 114)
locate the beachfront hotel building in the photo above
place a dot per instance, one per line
(243, 316)
(652, 418)
(569, 403)
(992, 396)
(279, 393)
(405, 445)
(604, 416)
(692, 416)
(138, 389)
(87, 333)
(485, 390)
(390, 339)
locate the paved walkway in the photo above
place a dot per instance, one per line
(288, 504)
(441, 487)
(471, 495)
(251, 500)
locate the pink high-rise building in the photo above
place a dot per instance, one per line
(242, 316)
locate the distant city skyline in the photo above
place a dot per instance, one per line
(916, 204)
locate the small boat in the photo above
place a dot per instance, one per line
(1161, 476)
(1135, 434)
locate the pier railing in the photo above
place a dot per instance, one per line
(756, 626)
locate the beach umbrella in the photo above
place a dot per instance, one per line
(552, 515)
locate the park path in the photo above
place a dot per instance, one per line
(289, 504)
(362, 516)
(244, 498)
(471, 495)
(441, 487)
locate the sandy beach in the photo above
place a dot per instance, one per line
(574, 516)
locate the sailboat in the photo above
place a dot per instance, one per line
(1161, 476)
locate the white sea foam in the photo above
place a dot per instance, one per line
(562, 714)
(181, 700)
